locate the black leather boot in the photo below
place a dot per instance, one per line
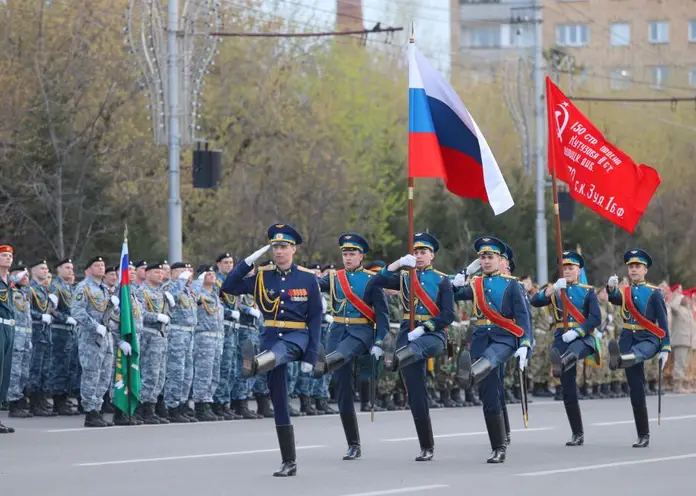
(263, 406)
(495, 424)
(468, 374)
(640, 415)
(424, 429)
(350, 428)
(506, 422)
(575, 421)
(175, 416)
(307, 408)
(286, 440)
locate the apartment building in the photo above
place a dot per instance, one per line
(618, 45)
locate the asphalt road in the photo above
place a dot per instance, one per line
(58, 457)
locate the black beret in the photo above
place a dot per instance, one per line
(222, 256)
(111, 269)
(63, 262)
(37, 263)
(140, 263)
(159, 265)
(93, 261)
(17, 268)
(180, 265)
(328, 266)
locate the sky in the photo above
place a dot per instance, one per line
(431, 19)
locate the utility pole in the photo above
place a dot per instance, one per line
(539, 110)
(175, 97)
(175, 229)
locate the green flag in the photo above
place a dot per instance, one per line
(127, 376)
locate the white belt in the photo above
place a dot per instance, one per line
(9, 322)
(181, 328)
(212, 334)
(23, 329)
(230, 323)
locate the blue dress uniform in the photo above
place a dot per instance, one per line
(352, 333)
(7, 323)
(638, 344)
(411, 357)
(290, 301)
(492, 345)
(564, 356)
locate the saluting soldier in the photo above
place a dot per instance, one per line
(433, 313)
(179, 341)
(502, 330)
(7, 323)
(153, 344)
(95, 344)
(64, 339)
(645, 333)
(360, 322)
(21, 354)
(290, 300)
(576, 342)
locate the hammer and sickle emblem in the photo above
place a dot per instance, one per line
(560, 127)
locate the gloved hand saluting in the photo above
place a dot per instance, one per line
(256, 255)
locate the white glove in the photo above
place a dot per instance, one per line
(184, 276)
(115, 301)
(235, 314)
(54, 299)
(70, 321)
(521, 353)
(306, 368)
(31, 346)
(473, 267)
(598, 334)
(324, 306)
(459, 281)
(101, 330)
(255, 313)
(201, 276)
(570, 336)
(610, 318)
(46, 318)
(416, 333)
(407, 261)
(376, 352)
(663, 357)
(560, 284)
(328, 318)
(125, 348)
(613, 281)
(256, 255)
(170, 299)
(163, 318)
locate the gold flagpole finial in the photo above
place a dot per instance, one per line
(412, 38)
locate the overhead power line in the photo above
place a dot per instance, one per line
(376, 29)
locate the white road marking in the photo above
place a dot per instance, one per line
(620, 422)
(189, 457)
(401, 490)
(464, 434)
(608, 465)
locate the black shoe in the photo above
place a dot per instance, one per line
(286, 440)
(6, 430)
(148, 414)
(263, 406)
(388, 402)
(604, 391)
(176, 417)
(456, 397)
(242, 409)
(471, 399)
(445, 399)
(204, 413)
(188, 412)
(640, 415)
(16, 410)
(424, 430)
(350, 428)
(106, 422)
(306, 407)
(323, 405)
(62, 407)
(92, 419)
(495, 424)
(122, 420)
(575, 421)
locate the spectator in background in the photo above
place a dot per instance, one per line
(681, 334)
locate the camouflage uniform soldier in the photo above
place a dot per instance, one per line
(153, 342)
(319, 387)
(208, 346)
(21, 352)
(95, 343)
(446, 363)
(39, 369)
(540, 366)
(64, 340)
(389, 385)
(179, 339)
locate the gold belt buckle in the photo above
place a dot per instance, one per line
(347, 320)
(281, 323)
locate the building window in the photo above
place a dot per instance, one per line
(620, 34)
(692, 76)
(658, 32)
(660, 73)
(620, 79)
(518, 35)
(484, 36)
(692, 30)
(572, 35)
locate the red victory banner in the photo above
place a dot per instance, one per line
(600, 176)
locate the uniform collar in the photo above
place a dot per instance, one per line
(641, 283)
(425, 269)
(284, 272)
(572, 283)
(357, 269)
(496, 273)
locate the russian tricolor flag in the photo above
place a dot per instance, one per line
(444, 141)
